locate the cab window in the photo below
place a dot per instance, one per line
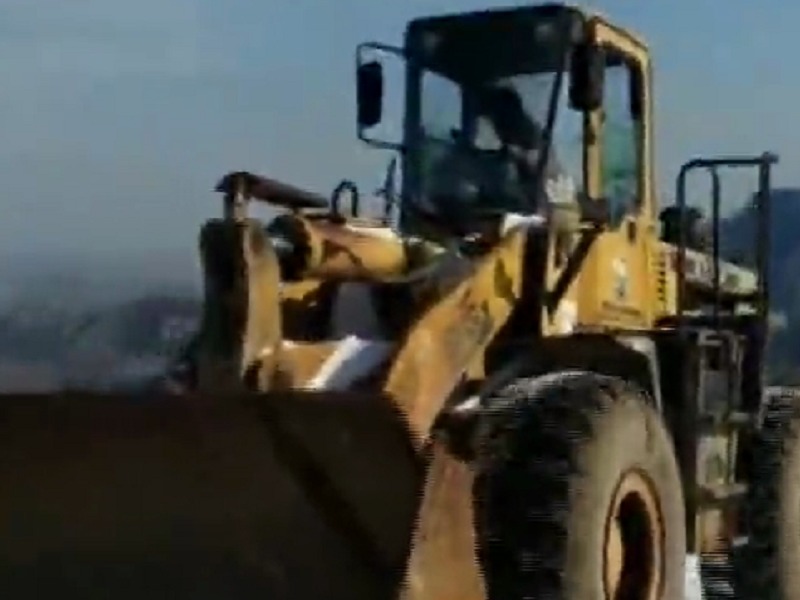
(621, 136)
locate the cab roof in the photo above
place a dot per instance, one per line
(503, 13)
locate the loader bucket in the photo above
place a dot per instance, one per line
(295, 496)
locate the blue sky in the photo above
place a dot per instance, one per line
(117, 117)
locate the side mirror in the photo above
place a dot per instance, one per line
(380, 82)
(587, 77)
(369, 82)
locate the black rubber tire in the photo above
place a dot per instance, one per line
(552, 452)
(769, 562)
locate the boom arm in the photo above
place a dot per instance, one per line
(454, 332)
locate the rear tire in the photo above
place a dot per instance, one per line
(769, 562)
(563, 460)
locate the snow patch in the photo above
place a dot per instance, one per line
(694, 586)
(353, 359)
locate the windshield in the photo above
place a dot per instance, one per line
(484, 101)
(465, 157)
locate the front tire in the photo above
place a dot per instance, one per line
(578, 494)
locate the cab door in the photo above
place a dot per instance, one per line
(621, 261)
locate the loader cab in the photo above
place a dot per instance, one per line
(473, 81)
(584, 86)
(564, 67)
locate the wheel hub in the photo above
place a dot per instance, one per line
(634, 541)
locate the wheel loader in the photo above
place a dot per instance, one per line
(532, 383)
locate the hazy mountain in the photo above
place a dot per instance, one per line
(81, 320)
(738, 236)
(79, 281)
(84, 320)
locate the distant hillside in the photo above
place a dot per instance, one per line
(76, 282)
(737, 237)
(44, 347)
(119, 320)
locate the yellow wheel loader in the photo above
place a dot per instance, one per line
(532, 384)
